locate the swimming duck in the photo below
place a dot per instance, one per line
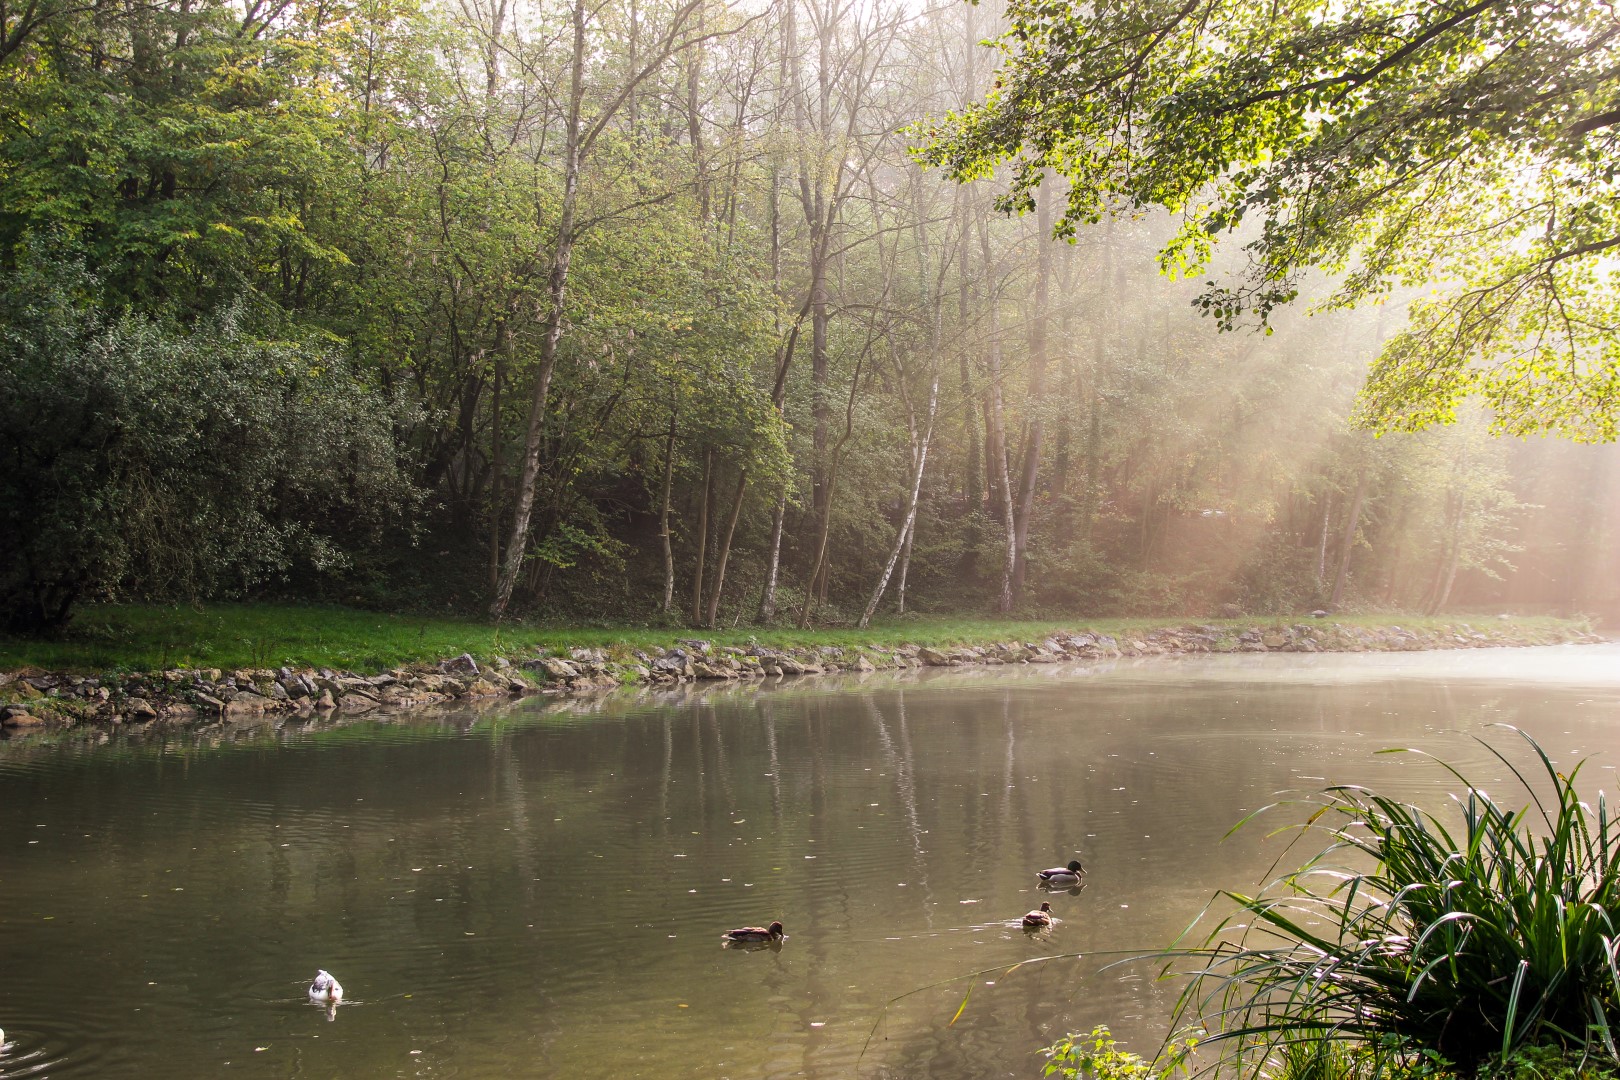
(325, 989)
(1039, 918)
(1061, 875)
(744, 935)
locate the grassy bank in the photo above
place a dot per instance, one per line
(148, 637)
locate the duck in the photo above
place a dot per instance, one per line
(1039, 918)
(1062, 875)
(325, 989)
(747, 935)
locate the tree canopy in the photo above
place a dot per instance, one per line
(1468, 144)
(645, 309)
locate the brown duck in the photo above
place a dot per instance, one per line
(1039, 918)
(747, 935)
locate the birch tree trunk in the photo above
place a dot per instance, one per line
(577, 141)
(725, 547)
(517, 542)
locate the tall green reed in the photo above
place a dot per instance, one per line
(1468, 935)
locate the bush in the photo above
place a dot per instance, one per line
(150, 460)
(1469, 947)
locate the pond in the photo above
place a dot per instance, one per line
(538, 889)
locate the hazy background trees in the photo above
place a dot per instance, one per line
(638, 310)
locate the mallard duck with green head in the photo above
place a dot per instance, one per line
(1062, 876)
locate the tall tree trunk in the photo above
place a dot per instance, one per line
(1322, 539)
(702, 536)
(663, 517)
(1069, 393)
(1348, 543)
(495, 442)
(1030, 470)
(694, 122)
(1446, 570)
(725, 547)
(773, 562)
(995, 446)
(905, 572)
(934, 302)
(973, 485)
(818, 380)
(577, 140)
(562, 255)
(920, 464)
(818, 569)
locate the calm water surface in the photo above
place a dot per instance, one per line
(538, 889)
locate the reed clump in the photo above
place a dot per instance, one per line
(1476, 941)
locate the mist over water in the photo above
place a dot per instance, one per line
(539, 889)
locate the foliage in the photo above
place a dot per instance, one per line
(1473, 144)
(1546, 1062)
(1485, 937)
(378, 188)
(148, 459)
(1096, 1056)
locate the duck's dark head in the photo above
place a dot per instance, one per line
(1075, 867)
(775, 929)
(1046, 906)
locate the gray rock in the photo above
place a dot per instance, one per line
(461, 665)
(559, 669)
(140, 709)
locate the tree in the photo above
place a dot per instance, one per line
(139, 458)
(1471, 143)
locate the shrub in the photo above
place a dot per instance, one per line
(1096, 1056)
(1473, 945)
(152, 460)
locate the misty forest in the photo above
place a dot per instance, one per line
(733, 312)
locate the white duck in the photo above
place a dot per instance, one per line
(325, 989)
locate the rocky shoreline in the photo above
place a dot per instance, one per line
(32, 698)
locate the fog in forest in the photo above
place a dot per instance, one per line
(644, 310)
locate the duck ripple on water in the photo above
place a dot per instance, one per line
(754, 935)
(1062, 876)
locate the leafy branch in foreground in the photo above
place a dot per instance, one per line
(1467, 944)
(1475, 144)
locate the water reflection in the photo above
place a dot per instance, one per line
(536, 889)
